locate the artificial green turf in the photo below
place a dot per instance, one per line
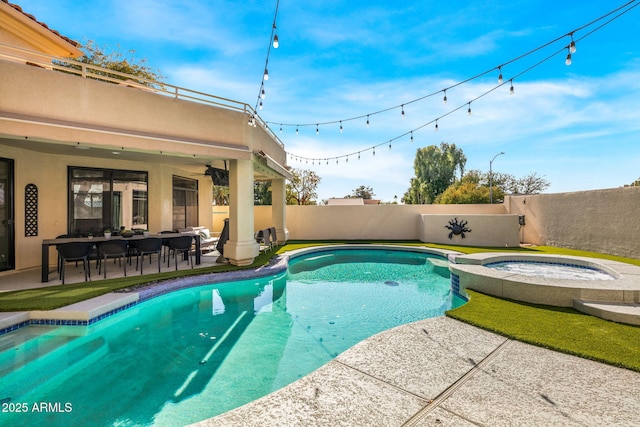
(557, 328)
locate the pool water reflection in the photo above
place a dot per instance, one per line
(199, 352)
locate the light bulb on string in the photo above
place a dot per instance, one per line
(266, 74)
(336, 160)
(280, 128)
(358, 155)
(340, 126)
(374, 151)
(411, 136)
(469, 109)
(260, 104)
(317, 130)
(403, 111)
(346, 159)
(572, 45)
(436, 125)
(511, 90)
(367, 120)
(444, 99)
(500, 75)
(296, 130)
(568, 60)
(389, 146)
(262, 93)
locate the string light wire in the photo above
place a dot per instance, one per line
(477, 76)
(468, 103)
(273, 41)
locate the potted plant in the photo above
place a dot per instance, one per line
(107, 233)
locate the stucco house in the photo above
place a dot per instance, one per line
(81, 152)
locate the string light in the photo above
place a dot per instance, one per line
(403, 111)
(618, 11)
(276, 41)
(273, 41)
(317, 130)
(571, 49)
(572, 45)
(341, 127)
(444, 99)
(568, 60)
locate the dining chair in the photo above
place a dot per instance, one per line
(180, 244)
(148, 246)
(116, 249)
(74, 251)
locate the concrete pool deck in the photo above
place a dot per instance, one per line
(444, 372)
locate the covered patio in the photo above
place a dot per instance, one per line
(85, 150)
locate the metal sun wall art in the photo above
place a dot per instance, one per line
(457, 228)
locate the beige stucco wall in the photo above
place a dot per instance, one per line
(606, 221)
(65, 108)
(484, 230)
(384, 222)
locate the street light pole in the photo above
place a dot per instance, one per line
(491, 177)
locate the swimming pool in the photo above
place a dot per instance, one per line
(198, 352)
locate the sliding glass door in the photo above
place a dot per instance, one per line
(102, 199)
(185, 202)
(7, 227)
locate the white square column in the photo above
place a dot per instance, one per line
(241, 248)
(279, 209)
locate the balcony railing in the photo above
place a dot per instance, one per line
(88, 71)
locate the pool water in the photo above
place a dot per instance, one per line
(551, 270)
(202, 351)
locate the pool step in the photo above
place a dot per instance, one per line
(617, 312)
(440, 266)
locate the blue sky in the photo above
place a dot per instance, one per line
(578, 126)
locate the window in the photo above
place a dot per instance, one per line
(185, 202)
(106, 198)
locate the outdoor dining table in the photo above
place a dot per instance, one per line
(48, 242)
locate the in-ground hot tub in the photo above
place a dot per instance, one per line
(533, 278)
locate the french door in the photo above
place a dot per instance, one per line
(7, 220)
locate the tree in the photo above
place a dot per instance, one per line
(116, 61)
(435, 170)
(528, 184)
(220, 195)
(472, 188)
(301, 190)
(262, 192)
(364, 192)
